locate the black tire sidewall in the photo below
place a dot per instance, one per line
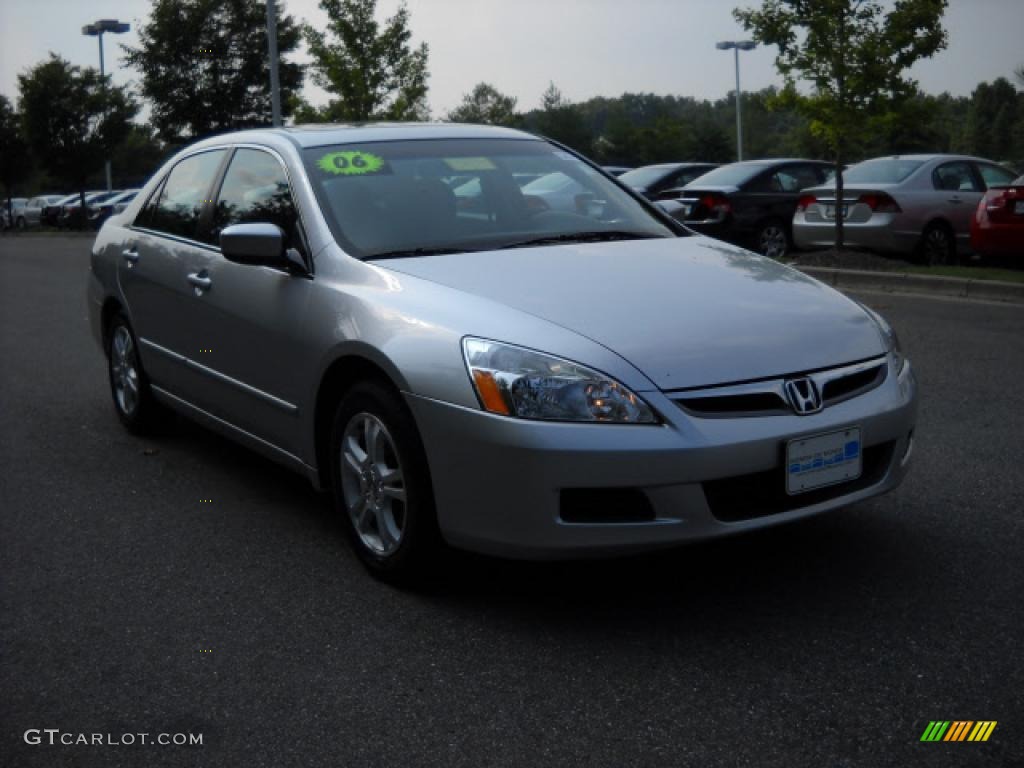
(778, 223)
(141, 421)
(420, 537)
(949, 258)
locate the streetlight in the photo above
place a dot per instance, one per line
(737, 46)
(275, 87)
(96, 30)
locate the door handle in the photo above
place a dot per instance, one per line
(130, 255)
(955, 200)
(200, 281)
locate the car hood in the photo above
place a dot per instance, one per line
(687, 312)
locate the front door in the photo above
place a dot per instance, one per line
(245, 326)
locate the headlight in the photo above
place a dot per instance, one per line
(514, 381)
(892, 341)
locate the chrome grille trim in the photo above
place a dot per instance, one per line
(768, 397)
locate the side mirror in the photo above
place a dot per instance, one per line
(259, 245)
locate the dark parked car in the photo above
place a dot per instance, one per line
(751, 203)
(72, 216)
(100, 213)
(663, 182)
(997, 229)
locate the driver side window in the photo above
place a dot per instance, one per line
(255, 190)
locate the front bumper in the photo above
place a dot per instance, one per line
(498, 481)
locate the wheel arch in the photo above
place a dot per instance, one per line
(348, 367)
(111, 308)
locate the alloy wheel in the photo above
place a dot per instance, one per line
(373, 484)
(124, 371)
(937, 247)
(773, 241)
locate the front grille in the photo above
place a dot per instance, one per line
(765, 397)
(753, 404)
(605, 505)
(845, 387)
(746, 497)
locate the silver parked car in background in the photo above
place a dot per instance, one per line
(909, 204)
(532, 382)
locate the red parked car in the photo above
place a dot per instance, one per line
(998, 225)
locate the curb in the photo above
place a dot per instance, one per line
(902, 282)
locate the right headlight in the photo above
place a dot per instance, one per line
(892, 341)
(514, 381)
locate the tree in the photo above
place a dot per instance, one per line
(563, 121)
(15, 161)
(373, 70)
(205, 66)
(485, 104)
(73, 118)
(854, 55)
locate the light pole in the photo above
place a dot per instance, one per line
(737, 46)
(275, 87)
(96, 30)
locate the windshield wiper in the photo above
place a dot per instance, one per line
(595, 236)
(401, 254)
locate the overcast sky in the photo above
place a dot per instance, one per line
(586, 47)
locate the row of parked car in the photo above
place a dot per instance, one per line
(935, 207)
(65, 211)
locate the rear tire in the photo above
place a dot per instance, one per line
(937, 246)
(381, 484)
(773, 239)
(21, 223)
(129, 386)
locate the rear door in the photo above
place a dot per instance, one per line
(153, 269)
(960, 189)
(774, 193)
(245, 328)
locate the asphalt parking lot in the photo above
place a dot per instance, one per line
(129, 606)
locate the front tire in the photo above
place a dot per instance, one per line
(129, 387)
(381, 484)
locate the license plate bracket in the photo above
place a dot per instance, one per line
(816, 461)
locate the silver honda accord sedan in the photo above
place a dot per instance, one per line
(484, 370)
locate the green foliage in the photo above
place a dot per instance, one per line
(15, 160)
(560, 120)
(485, 104)
(371, 68)
(73, 118)
(854, 53)
(205, 66)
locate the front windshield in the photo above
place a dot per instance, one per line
(881, 171)
(467, 194)
(641, 178)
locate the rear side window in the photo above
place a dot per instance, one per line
(955, 177)
(185, 194)
(255, 190)
(885, 170)
(995, 176)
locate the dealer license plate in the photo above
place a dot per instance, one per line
(1018, 206)
(812, 462)
(830, 211)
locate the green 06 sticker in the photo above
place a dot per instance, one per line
(350, 163)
